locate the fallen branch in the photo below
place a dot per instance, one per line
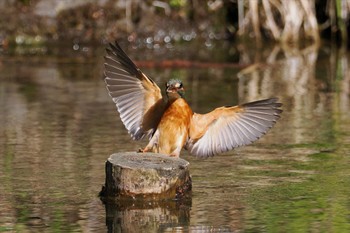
(187, 64)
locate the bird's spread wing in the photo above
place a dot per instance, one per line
(137, 97)
(228, 127)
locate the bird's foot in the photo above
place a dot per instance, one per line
(142, 150)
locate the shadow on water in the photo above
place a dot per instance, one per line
(58, 126)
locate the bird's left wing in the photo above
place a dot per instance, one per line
(225, 128)
(137, 97)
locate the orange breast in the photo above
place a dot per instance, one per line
(174, 126)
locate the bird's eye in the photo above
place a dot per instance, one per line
(178, 85)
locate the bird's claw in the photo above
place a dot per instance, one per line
(140, 150)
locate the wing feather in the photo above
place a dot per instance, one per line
(114, 67)
(138, 98)
(228, 127)
(117, 75)
(116, 81)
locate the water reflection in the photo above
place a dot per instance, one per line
(150, 216)
(305, 80)
(58, 126)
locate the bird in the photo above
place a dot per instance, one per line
(168, 121)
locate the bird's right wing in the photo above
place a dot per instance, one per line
(137, 97)
(225, 128)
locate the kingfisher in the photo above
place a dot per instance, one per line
(169, 122)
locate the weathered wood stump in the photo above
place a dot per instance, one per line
(146, 176)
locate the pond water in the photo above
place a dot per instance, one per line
(58, 127)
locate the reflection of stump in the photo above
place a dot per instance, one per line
(147, 216)
(146, 176)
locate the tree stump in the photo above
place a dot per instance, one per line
(132, 175)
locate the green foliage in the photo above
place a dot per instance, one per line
(177, 3)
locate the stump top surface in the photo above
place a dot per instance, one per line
(146, 160)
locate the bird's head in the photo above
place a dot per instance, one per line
(175, 89)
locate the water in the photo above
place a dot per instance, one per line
(58, 126)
